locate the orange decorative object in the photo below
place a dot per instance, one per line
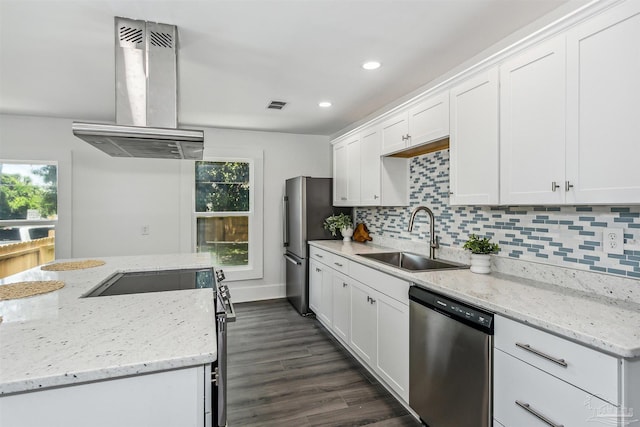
(361, 234)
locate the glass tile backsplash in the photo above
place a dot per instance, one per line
(569, 236)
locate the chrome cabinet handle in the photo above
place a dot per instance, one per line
(368, 299)
(319, 256)
(537, 414)
(343, 198)
(338, 264)
(554, 186)
(375, 197)
(567, 186)
(373, 301)
(530, 349)
(318, 270)
(344, 284)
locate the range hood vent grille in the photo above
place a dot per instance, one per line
(131, 35)
(146, 98)
(161, 39)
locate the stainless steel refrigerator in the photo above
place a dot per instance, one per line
(307, 202)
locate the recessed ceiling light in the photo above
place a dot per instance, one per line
(371, 65)
(324, 104)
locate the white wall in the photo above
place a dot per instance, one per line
(105, 201)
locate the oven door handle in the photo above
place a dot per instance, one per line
(229, 311)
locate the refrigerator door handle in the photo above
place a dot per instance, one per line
(292, 260)
(285, 225)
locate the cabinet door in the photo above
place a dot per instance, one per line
(394, 133)
(353, 170)
(429, 120)
(370, 168)
(392, 361)
(363, 323)
(326, 297)
(340, 174)
(315, 286)
(473, 144)
(532, 125)
(341, 306)
(603, 68)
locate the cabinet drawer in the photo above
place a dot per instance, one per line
(393, 287)
(339, 263)
(561, 403)
(320, 255)
(581, 366)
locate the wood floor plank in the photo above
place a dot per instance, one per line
(286, 370)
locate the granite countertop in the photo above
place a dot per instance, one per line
(607, 324)
(59, 339)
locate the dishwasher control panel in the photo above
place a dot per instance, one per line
(452, 308)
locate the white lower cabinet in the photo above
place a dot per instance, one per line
(369, 314)
(321, 291)
(341, 306)
(363, 323)
(163, 399)
(526, 396)
(392, 355)
(541, 379)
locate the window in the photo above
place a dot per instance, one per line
(28, 214)
(226, 219)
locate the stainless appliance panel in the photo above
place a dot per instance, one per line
(295, 216)
(297, 284)
(450, 382)
(319, 200)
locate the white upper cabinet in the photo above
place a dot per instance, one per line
(532, 125)
(394, 133)
(421, 123)
(370, 167)
(363, 178)
(473, 143)
(429, 120)
(353, 170)
(340, 171)
(603, 122)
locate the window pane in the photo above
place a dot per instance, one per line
(226, 238)
(222, 187)
(28, 191)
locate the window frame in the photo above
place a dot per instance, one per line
(35, 222)
(254, 268)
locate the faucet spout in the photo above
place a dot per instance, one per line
(433, 244)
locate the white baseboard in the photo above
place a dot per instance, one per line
(257, 293)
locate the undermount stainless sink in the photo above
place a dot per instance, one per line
(412, 262)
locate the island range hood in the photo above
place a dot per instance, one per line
(146, 98)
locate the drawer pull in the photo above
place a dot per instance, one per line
(528, 348)
(338, 264)
(319, 256)
(537, 414)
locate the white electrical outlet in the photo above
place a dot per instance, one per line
(145, 230)
(613, 241)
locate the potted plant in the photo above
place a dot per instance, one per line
(480, 249)
(342, 223)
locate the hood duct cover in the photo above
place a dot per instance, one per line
(146, 98)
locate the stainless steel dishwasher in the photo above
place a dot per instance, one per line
(450, 361)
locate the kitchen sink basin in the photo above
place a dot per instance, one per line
(412, 262)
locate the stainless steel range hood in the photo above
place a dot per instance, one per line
(146, 98)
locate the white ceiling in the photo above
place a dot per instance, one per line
(57, 57)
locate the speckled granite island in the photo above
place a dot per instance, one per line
(60, 339)
(586, 316)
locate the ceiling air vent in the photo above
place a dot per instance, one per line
(276, 105)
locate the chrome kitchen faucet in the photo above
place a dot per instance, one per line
(433, 244)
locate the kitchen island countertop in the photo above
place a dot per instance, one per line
(60, 339)
(603, 323)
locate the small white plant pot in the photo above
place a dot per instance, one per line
(480, 263)
(346, 234)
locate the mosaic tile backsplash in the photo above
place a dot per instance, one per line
(568, 236)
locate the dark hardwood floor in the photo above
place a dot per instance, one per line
(286, 370)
